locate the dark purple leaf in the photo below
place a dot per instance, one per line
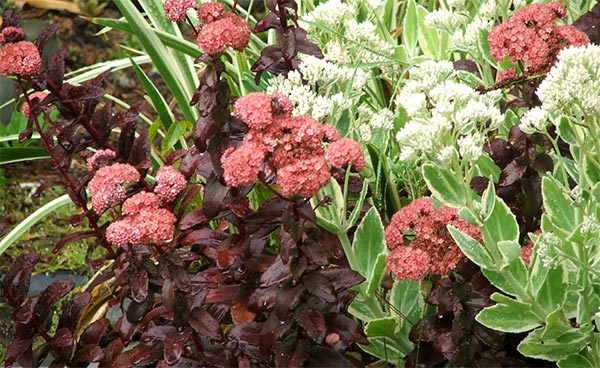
(342, 278)
(543, 163)
(287, 42)
(192, 219)
(168, 294)
(347, 329)
(140, 153)
(11, 18)
(316, 252)
(173, 346)
(139, 286)
(269, 22)
(263, 300)
(88, 354)
(324, 357)
(73, 237)
(55, 291)
(16, 348)
(62, 338)
(156, 334)
(304, 46)
(136, 311)
(223, 294)
(589, 23)
(206, 237)
(313, 323)
(55, 67)
(287, 299)
(16, 279)
(291, 353)
(195, 162)
(511, 173)
(214, 194)
(271, 331)
(319, 286)
(204, 128)
(94, 332)
(206, 325)
(276, 273)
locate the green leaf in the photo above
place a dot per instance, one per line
(175, 132)
(557, 205)
(444, 185)
(472, 248)
(410, 28)
(514, 317)
(370, 249)
(427, 37)
(500, 225)
(406, 297)
(382, 327)
(582, 359)
(566, 130)
(567, 344)
(31, 220)
(488, 201)
(175, 77)
(18, 154)
(552, 292)
(501, 279)
(510, 251)
(158, 102)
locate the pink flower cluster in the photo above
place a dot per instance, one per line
(18, 56)
(290, 147)
(175, 10)
(420, 241)
(221, 29)
(144, 220)
(531, 36)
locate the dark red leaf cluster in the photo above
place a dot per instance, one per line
(281, 58)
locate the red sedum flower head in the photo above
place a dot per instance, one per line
(303, 177)
(408, 263)
(12, 34)
(288, 149)
(100, 158)
(20, 58)
(420, 226)
(169, 183)
(531, 36)
(148, 226)
(254, 110)
(344, 152)
(209, 12)
(228, 31)
(241, 166)
(140, 201)
(175, 10)
(107, 188)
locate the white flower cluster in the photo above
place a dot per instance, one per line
(534, 120)
(351, 41)
(333, 80)
(445, 19)
(370, 121)
(573, 84)
(447, 117)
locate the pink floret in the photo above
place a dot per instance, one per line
(175, 10)
(241, 166)
(169, 183)
(149, 226)
(140, 201)
(228, 31)
(209, 12)
(100, 158)
(20, 58)
(303, 177)
(344, 152)
(408, 263)
(254, 110)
